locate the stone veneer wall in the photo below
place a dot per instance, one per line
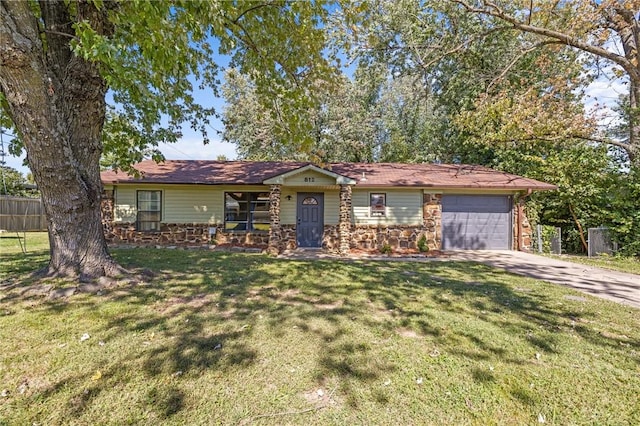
(365, 237)
(432, 220)
(283, 237)
(370, 237)
(181, 234)
(106, 208)
(275, 230)
(526, 244)
(344, 227)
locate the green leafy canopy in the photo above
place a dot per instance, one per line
(161, 52)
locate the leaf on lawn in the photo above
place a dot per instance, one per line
(96, 376)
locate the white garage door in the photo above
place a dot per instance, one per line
(476, 222)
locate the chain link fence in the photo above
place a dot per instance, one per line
(547, 239)
(600, 242)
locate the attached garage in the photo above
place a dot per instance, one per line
(476, 222)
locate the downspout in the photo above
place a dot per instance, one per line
(520, 214)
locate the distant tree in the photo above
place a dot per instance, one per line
(368, 118)
(485, 83)
(608, 31)
(12, 182)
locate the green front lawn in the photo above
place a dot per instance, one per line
(22, 242)
(219, 338)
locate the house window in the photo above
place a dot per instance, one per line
(378, 204)
(310, 201)
(149, 210)
(246, 211)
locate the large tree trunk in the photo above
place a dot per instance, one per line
(57, 102)
(634, 122)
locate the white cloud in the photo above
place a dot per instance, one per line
(602, 95)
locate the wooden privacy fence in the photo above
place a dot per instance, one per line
(22, 214)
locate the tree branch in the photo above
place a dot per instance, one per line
(457, 48)
(247, 40)
(251, 9)
(71, 36)
(494, 10)
(516, 59)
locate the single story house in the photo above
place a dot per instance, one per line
(337, 207)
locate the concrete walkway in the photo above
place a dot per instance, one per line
(617, 286)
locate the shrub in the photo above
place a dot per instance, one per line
(386, 249)
(422, 244)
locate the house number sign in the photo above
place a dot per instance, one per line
(309, 179)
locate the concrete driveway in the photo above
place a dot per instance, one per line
(617, 286)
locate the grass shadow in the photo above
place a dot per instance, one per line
(208, 314)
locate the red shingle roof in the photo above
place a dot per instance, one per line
(447, 176)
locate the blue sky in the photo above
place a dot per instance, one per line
(190, 147)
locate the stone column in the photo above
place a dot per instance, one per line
(523, 231)
(432, 220)
(275, 232)
(344, 225)
(106, 208)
